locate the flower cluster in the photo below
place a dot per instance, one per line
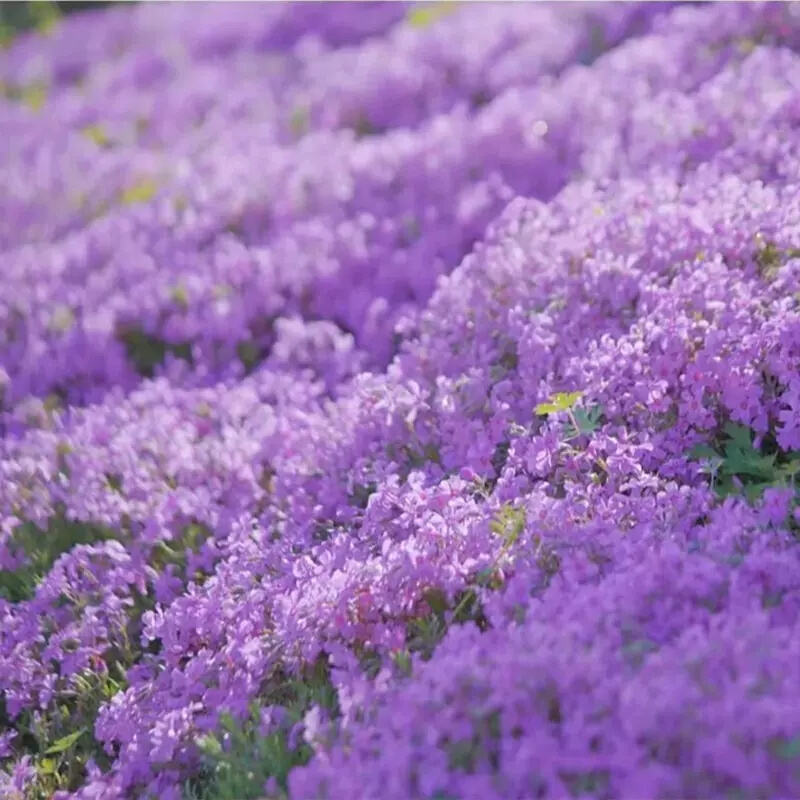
(401, 401)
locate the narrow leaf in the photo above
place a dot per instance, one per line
(65, 742)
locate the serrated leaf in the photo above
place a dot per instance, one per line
(588, 420)
(753, 491)
(561, 401)
(64, 743)
(791, 468)
(739, 461)
(739, 434)
(724, 487)
(703, 452)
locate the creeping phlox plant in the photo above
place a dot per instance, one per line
(401, 401)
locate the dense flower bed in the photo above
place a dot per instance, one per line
(401, 401)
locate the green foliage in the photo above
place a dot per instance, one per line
(238, 760)
(176, 552)
(424, 15)
(507, 362)
(97, 135)
(363, 126)
(359, 497)
(787, 749)
(414, 456)
(509, 523)
(33, 95)
(180, 296)
(561, 401)
(582, 421)
(594, 783)
(114, 482)
(547, 558)
(45, 15)
(40, 549)
(17, 17)
(483, 746)
(148, 352)
(411, 230)
(240, 771)
(65, 742)
(500, 457)
(60, 741)
(424, 633)
(249, 353)
(58, 738)
(140, 192)
(61, 319)
(638, 650)
(300, 121)
(742, 469)
(770, 258)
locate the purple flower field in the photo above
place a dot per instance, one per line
(401, 401)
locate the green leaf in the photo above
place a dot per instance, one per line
(562, 401)
(402, 661)
(210, 745)
(139, 192)
(228, 723)
(179, 296)
(363, 126)
(791, 467)
(745, 460)
(249, 354)
(299, 121)
(34, 96)
(509, 523)
(431, 453)
(753, 491)
(47, 766)
(46, 16)
(410, 229)
(65, 742)
(588, 420)
(739, 434)
(724, 487)
(787, 749)
(97, 135)
(702, 452)
(425, 15)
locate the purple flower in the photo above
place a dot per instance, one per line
(285, 304)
